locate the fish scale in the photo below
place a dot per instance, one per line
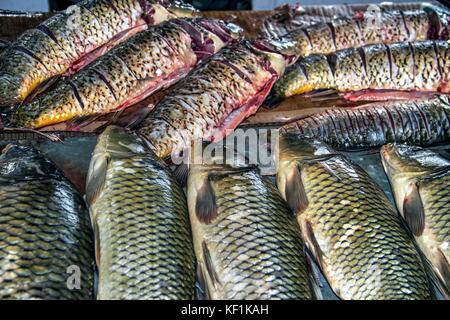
(200, 103)
(44, 230)
(420, 122)
(239, 252)
(140, 214)
(385, 26)
(147, 62)
(420, 66)
(355, 234)
(71, 39)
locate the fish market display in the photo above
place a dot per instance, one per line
(46, 243)
(246, 240)
(419, 122)
(216, 96)
(387, 26)
(420, 180)
(71, 39)
(151, 60)
(143, 241)
(403, 66)
(348, 223)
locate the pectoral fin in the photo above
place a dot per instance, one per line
(96, 177)
(413, 211)
(295, 192)
(205, 204)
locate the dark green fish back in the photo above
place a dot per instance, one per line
(255, 242)
(415, 122)
(45, 237)
(145, 241)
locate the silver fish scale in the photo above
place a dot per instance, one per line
(254, 241)
(44, 229)
(366, 252)
(144, 232)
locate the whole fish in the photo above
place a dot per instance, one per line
(73, 38)
(420, 180)
(46, 240)
(215, 97)
(247, 243)
(151, 60)
(348, 223)
(383, 26)
(143, 241)
(419, 122)
(404, 66)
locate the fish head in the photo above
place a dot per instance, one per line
(293, 147)
(118, 142)
(22, 162)
(409, 161)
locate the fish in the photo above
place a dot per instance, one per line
(420, 180)
(151, 60)
(419, 122)
(372, 27)
(71, 39)
(355, 234)
(359, 73)
(246, 241)
(215, 97)
(46, 240)
(143, 240)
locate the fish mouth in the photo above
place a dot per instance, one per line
(179, 8)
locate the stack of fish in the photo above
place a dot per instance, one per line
(231, 230)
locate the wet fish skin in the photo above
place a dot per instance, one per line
(215, 97)
(143, 239)
(419, 122)
(420, 181)
(151, 60)
(354, 232)
(245, 238)
(387, 27)
(45, 234)
(419, 66)
(70, 39)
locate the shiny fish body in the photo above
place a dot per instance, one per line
(387, 26)
(46, 240)
(406, 66)
(69, 40)
(151, 60)
(214, 97)
(348, 223)
(143, 242)
(246, 240)
(419, 122)
(420, 180)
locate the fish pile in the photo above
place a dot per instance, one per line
(151, 60)
(73, 38)
(228, 232)
(214, 99)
